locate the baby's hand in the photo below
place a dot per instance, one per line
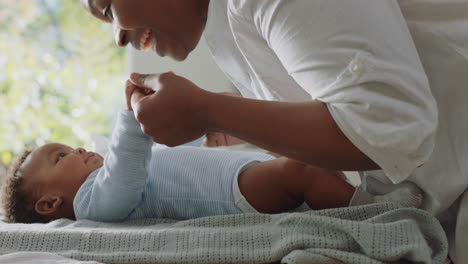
(130, 88)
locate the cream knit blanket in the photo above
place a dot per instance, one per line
(379, 233)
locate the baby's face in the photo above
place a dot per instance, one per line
(60, 168)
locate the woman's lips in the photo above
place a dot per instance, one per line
(143, 38)
(147, 40)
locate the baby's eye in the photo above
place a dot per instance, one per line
(61, 155)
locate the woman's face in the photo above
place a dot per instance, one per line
(168, 27)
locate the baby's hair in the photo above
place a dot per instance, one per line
(17, 200)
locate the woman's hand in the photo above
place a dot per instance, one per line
(172, 114)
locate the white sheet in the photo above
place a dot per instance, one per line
(39, 258)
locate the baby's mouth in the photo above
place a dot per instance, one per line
(89, 157)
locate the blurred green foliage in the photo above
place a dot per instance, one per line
(61, 75)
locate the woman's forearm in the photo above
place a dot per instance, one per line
(302, 131)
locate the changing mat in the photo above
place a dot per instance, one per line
(375, 233)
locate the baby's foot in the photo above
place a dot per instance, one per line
(407, 195)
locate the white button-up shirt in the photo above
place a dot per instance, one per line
(394, 76)
(356, 56)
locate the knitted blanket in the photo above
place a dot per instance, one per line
(378, 233)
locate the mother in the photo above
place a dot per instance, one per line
(347, 85)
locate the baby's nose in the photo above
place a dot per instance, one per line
(80, 150)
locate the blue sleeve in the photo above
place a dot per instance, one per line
(119, 184)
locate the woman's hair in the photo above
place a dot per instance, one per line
(17, 199)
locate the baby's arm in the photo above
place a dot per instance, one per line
(283, 184)
(119, 185)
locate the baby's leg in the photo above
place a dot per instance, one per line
(283, 184)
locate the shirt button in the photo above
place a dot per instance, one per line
(357, 68)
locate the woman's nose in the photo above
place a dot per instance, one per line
(121, 37)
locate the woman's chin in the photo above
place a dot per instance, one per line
(179, 54)
(180, 57)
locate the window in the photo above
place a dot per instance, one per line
(61, 75)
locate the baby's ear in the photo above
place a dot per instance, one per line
(48, 205)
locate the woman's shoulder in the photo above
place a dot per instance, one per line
(249, 8)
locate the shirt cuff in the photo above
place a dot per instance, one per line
(396, 166)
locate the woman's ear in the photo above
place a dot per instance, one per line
(48, 205)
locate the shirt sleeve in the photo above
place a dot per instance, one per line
(118, 186)
(359, 58)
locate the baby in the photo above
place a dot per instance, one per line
(135, 181)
